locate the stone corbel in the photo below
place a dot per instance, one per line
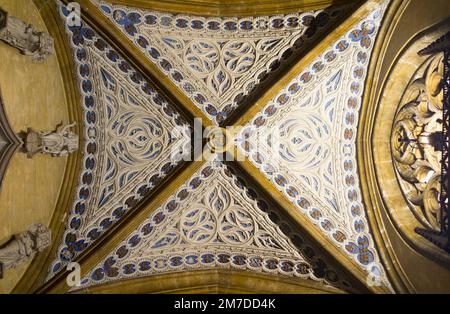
(24, 37)
(24, 246)
(58, 143)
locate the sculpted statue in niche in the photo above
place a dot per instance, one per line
(57, 143)
(24, 246)
(23, 36)
(416, 139)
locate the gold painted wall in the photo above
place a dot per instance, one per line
(33, 95)
(422, 274)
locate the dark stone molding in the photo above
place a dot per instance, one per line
(9, 142)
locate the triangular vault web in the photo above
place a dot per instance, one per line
(218, 62)
(213, 221)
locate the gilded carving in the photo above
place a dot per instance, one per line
(415, 142)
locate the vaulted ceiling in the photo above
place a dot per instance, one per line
(143, 69)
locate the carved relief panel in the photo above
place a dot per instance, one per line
(415, 141)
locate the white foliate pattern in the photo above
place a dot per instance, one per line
(218, 61)
(211, 221)
(136, 138)
(127, 141)
(307, 142)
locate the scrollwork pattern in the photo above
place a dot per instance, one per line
(127, 146)
(136, 138)
(415, 142)
(199, 225)
(218, 218)
(202, 56)
(216, 62)
(221, 63)
(212, 222)
(317, 116)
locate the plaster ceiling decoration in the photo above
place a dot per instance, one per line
(217, 62)
(307, 142)
(214, 220)
(127, 140)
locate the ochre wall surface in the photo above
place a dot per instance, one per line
(33, 95)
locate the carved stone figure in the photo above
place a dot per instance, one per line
(23, 36)
(57, 143)
(23, 247)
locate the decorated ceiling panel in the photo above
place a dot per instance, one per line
(215, 220)
(127, 140)
(303, 141)
(218, 61)
(307, 141)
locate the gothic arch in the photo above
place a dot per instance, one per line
(393, 67)
(403, 74)
(9, 142)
